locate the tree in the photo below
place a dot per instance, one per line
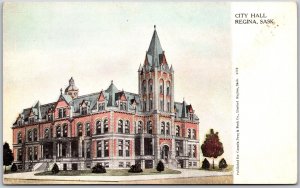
(13, 167)
(7, 156)
(205, 164)
(212, 147)
(135, 168)
(98, 168)
(55, 169)
(222, 164)
(160, 166)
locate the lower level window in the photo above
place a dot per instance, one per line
(88, 165)
(190, 163)
(106, 165)
(121, 164)
(195, 164)
(128, 164)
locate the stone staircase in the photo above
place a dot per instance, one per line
(45, 166)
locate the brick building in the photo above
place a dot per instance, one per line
(112, 127)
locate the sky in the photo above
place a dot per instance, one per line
(47, 43)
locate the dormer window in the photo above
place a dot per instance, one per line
(101, 106)
(84, 110)
(31, 120)
(191, 116)
(62, 113)
(50, 117)
(123, 106)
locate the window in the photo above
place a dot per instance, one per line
(65, 130)
(106, 148)
(177, 149)
(190, 151)
(47, 133)
(190, 163)
(88, 150)
(140, 127)
(20, 154)
(150, 104)
(127, 148)
(105, 126)
(144, 106)
(194, 134)
(120, 126)
(169, 107)
(128, 164)
(35, 156)
(168, 90)
(35, 135)
(31, 120)
(168, 128)
(99, 149)
(29, 136)
(120, 147)
(149, 127)
(19, 137)
(162, 128)
(161, 87)
(177, 130)
(50, 117)
(87, 129)
(161, 105)
(121, 164)
(189, 133)
(30, 153)
(84, 110)
(191, 116)
(194, 163)
(194, 151)
(98, 127)
(106, 165)
(144, 87)
(123, 106)
(19, 122)
(127, 127)
(79, 129)
(58, 131)
(101, 106)
(62, 113)
(150, 88)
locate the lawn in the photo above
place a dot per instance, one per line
(228, 169)
(109, 172)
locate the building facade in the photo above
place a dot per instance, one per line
(112, 127)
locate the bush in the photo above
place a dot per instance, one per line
(55, 169)
(160, 166)
(98, 168)
(135, 168)
(13, 167)
(205, 164)
(222, 164)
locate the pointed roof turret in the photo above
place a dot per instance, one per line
(171, 69)
(37, 106)
(154, 50)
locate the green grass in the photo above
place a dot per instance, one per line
(228, 169)
(109, 172)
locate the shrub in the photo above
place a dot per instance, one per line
(55, 169)
(13, 167)
(160, 166)
(222, 164)
(205, 164)
(135, 168)
(98, 168)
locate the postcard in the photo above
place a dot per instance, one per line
(150, 93)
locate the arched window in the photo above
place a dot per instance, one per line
(194, 134)
(161, 86)
(150, 86)
(127, 127)
(162, 128)
(47, 133)
(140, 127)
(144, 87)
(149, 127)
(35, 135)
(58, 131)
(120, 126)
(65, 130)
(19, 137)
(189, 133)
(105, 126)
(87, 129)
(29, 136)
(168, 88)
(98, 127)
(79, 129)
(168, 128)
(177, 130)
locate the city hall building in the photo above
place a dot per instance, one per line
(112, 127)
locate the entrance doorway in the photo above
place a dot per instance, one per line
(165, 153)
